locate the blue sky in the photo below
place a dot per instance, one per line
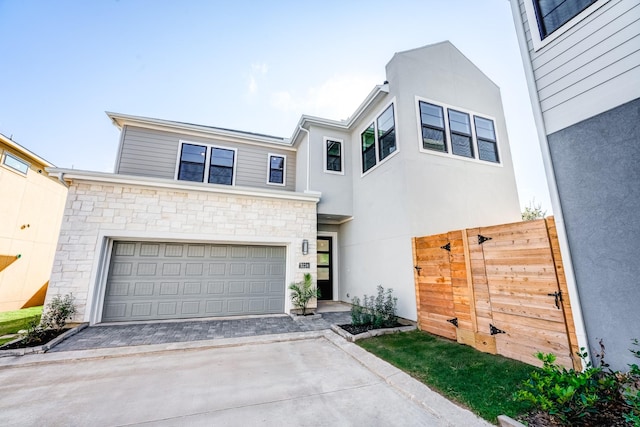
(247, 65)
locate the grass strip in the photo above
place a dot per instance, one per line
(13, 321)
(482, 382)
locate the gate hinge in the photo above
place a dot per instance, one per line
(495, 331)
(482, 239)
(418, 268)
(558, 297)
(446, 247)
(453, 321)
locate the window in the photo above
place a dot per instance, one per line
(194, 159)
(15, 163)
(381, 134)
(276, 169)
(460, 127)
(553, 14)
(333, 155)
(432, 123)
(462, 134)
(221, 169)
(487, 144)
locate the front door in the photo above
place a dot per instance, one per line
(325, 270)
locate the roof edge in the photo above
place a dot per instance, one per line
(10, 142)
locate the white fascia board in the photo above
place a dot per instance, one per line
(69, 175)
(25, 152)
(340, 124)
(121, 120)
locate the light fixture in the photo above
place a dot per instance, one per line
(305, 247)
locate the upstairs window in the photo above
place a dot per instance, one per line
(378, 141)
(195, 158)
(461, 141)
(553, 14)
(487, 143)
(276, 169)
(221, 168)
(333, 155)
(432, 123)
(15, 163)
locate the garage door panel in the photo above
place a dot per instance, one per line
(249, 280)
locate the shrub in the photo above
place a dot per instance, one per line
(590, 397)
(58, 311)
(303, 292)
(378, 311)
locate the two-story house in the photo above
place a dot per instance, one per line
(582, 63)
(199, 221)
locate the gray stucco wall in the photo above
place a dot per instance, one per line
(597, 167)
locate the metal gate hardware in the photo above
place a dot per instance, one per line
(495, 331)
(558, 297)
(418, 268)
(446, 247)
(453, 321)
(482, 239)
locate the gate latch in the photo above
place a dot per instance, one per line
(558, 297)
(453, 321)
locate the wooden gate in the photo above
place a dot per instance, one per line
(500, 289)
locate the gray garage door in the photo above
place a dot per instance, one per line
(152, 280)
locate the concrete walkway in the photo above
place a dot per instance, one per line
(306, 378)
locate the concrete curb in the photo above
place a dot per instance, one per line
(505, 421)
(42, 348)
(446, 411)
(372, 333)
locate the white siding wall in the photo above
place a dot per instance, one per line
(590, 68)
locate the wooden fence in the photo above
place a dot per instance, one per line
(500, 289)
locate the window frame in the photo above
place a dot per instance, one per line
(474, 139)
(284, 169)
(532, 17)
(207, 162)
(17, 159)
(445, 142)
(374, 122)
(478, 138)
(325, 155)
(465, 135)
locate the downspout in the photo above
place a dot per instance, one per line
(61, 179)
(572, 287)
(308, 154)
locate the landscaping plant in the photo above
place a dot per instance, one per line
(303, 292)
(593, 397)
(378, 311)
(54, 318)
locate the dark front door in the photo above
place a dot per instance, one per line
(325, 270)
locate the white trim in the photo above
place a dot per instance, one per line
(334, 262)
(104, 246)
(71, 174)
(572, 286)
(284, 169)
(207, 160)
(324, 155)
(18, 159)
(449, 153)
(376, 116)
(535, 30)
(116, 166)
(25, 152)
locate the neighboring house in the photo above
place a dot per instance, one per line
(582, 62)
(200, 221)
(31, 210)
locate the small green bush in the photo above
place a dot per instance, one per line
(54, 317)
(574, 397)
(303, 292)
(378, 311)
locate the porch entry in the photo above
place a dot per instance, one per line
(325, 267)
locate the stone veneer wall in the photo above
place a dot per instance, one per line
(95, 209)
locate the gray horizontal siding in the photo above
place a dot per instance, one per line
(154, 153)
(591, 67)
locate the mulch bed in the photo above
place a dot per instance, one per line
(609, 416)
(42, 339)
(360, 329)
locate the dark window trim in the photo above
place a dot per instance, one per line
(207, 162)
(491, 141)
(465, 135)
(270, 169)
(376, 145)
(327, 156)
(221, 167)
(442, 129)
(540, 20)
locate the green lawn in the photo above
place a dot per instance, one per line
(13, 321)
(479, 381)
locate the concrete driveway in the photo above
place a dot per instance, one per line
(306, 379)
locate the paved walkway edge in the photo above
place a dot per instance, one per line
(446, 411)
